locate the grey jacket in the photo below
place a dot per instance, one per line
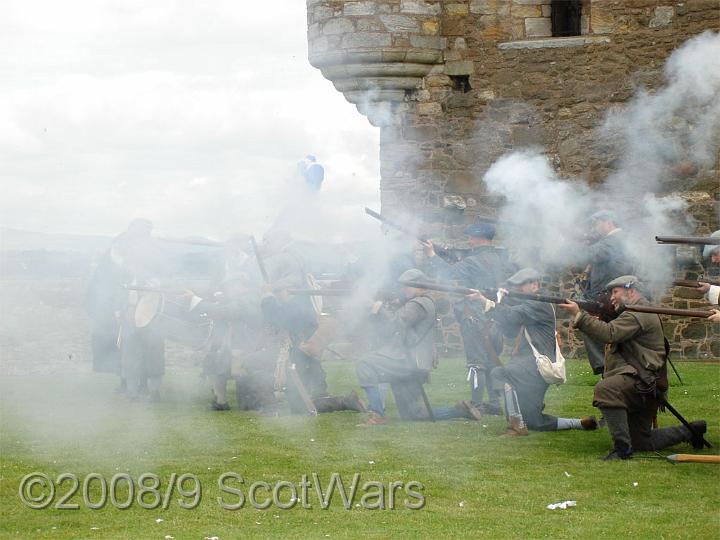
(411, 332)
(608, 260)
(483, 269)
(538, 318)
(630, 335)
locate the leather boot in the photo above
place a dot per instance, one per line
(670, 436)
(352, 402)
(516, 428)
(468, 410)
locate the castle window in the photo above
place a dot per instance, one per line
(565, 16)
(461, 83)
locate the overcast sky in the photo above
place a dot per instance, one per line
(192, 113)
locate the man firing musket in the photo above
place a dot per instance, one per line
(482, 269)
(634, 381)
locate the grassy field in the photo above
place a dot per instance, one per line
(475, 484)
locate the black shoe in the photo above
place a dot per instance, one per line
(699, 427)
(219, 406)
(616, 455)
(589, 423)
(491, 409)
(598, 370)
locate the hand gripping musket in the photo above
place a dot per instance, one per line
(698, 240)
(440, 251)
(694, 284)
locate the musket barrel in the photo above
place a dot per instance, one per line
(154, 290)
(660, 310)
(594, 307)
(192, 241)
(694, 283)
(701, 240)
(441, 287)
(322, 292)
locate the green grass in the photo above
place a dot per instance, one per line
(476, 484)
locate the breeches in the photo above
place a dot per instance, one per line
(530, 389)
(374, 369)
(618, 392)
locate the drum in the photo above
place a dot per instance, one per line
(169, 317)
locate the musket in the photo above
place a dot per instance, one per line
(192, 241)
(442, 287)
(258, 258)
(701, 240)
(694, 284)
(440, 251)
(322, 292)
(661, 310)
(172, 292)
(590, 306)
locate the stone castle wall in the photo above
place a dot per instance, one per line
(454, 85)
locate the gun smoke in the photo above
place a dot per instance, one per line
(677, 124)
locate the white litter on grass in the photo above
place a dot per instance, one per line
(561, 505)
(371, 462)
(94, 528)
(168, 537)
(312, 440)
(568, 474)
(461, 504)
(211, 538)
(635, 484)
(158, 520)
(484, 425)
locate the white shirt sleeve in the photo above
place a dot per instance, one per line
(713, 295)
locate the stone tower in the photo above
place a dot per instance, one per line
(453, 85)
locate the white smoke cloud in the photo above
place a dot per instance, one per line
(654, 132)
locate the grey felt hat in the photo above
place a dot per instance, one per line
(628, 282)
(604, 215)
(412, 275)
(523, 276)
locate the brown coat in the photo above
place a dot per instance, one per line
(630, 335)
